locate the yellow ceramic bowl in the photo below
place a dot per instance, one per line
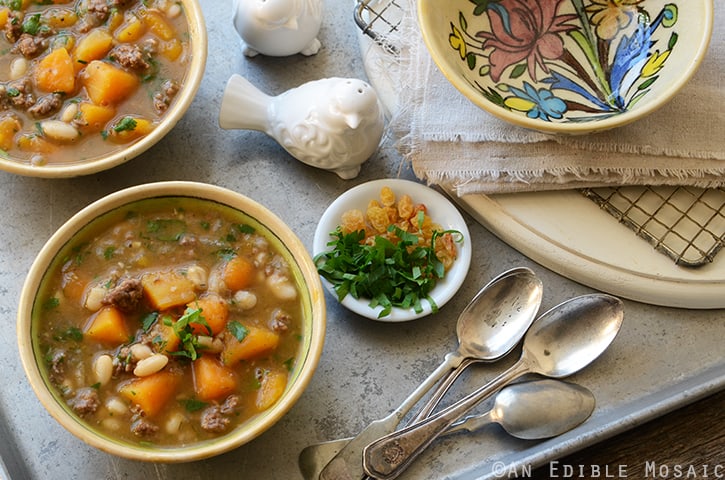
(264, 221)
(567, 66)
(181, 103)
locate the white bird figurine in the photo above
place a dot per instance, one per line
(278, 28)
(334, 123)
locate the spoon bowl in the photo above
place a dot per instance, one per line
(560, 342)
(510, 300)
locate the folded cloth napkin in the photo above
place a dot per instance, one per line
(452, 142)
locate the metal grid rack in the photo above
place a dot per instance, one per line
(686, 224)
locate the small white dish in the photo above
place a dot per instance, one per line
(440, 209)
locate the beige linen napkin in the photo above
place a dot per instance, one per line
(451, 141)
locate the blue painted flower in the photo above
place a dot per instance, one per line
(542, 104)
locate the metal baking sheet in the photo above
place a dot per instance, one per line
(662, 359)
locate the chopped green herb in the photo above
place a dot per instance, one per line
(72, 333)
(166, 229)
(126, 123)
(12, 92)
(148, 321)
(244, 228)
(192, 404)
(238, 330)
(96, 385)
(31, 24)
(51, 303)
(108, 252)
(400, 274)
(226, 253)
(289, 363)
(183, 330)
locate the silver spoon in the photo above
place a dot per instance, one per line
(559, 343)
(528, 410)
(488, 328)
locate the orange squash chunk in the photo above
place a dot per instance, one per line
(94, 46)
(151, 393)
(238, 273)
(271, 389)
(258, 343)
(212, 380)
(93, 118)
(55, 72)
(107, 325)
(167, 289)
(214, 310)
(107, 84)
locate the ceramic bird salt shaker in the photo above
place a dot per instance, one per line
(278, 28)
(334, 123)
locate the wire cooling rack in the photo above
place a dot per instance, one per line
(685, 223)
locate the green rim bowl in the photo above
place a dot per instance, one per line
(276, 231)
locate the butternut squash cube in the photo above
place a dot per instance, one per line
(107, 84)
(167, 289)
(257, 343)
(108, 325)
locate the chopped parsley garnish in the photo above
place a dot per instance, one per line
(238, 330)
(126, 123)
(108, 252)
(166, 229)
(148, 321)
(51, 303)
(192, 404)
(31, 24)
(183, 330)
(72, 333)
(400, 274)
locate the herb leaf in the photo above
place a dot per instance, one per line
(238, 330)
(398, 273)
(183, 330)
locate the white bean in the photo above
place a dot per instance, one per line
(139, 351)
(116, 406)
(198, 276)
(94, 298)
(174, 10)
(281, 287)
(150, 365)
(103, 368)
(60, 131)
(245, 299)
(173, 424)
(18, 68)
(69, 113)
(112, 424)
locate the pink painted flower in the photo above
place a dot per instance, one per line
(525, 30)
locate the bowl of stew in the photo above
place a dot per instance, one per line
(171, 322)
(86, 85)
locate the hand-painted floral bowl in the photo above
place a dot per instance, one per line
(567, 66)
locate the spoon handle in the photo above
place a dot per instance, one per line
(346, 464)
(442, 389)
(389, 456)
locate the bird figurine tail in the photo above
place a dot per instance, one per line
(240, 96)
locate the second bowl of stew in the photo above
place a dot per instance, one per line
(87, 85)
(171, 322)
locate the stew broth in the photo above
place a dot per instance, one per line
(169, 321)
(81, 79)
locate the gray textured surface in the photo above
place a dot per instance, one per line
(663, 357)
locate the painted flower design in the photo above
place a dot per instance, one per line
(524, 30)
(539, 103)
(609, 17)
(566, 60)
